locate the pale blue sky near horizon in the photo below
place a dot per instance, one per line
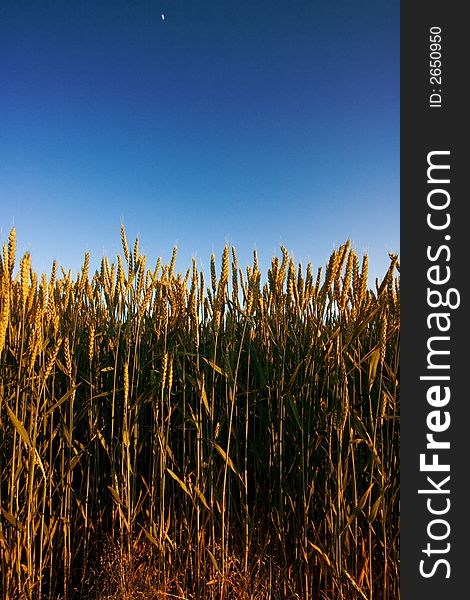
(252, 123)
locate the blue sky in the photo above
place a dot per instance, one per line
(257, 123)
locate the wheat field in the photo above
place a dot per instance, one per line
(163, 435)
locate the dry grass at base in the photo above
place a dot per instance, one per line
(119, 578)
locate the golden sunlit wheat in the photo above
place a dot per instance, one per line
(163, 439)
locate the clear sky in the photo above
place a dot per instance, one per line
(197, 123)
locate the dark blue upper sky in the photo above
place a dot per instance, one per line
(257, 123)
